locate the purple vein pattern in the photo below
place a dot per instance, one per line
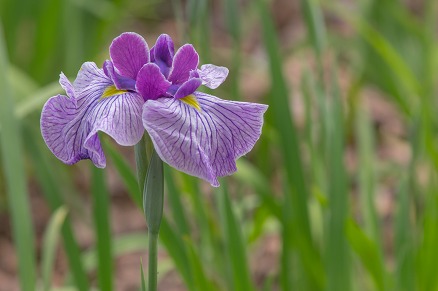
(154, 90)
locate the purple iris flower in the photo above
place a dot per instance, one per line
(155, 90)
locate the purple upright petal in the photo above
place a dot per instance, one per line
(186, 60)
(203, 143)
(188, 88)
(121, 83)
(162, 53)
(129, 52)
(69, 126)
(151, 84)
(212, 76)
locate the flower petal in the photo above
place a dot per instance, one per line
(70, 128)
(151, 84)
(186, 59)
(212, 76)
(64, 132)
(129, 52)
(121, 83)
(203, 143)
(118, 116)
(90, 78)
(162, 53)
(66, 85)
(188, 88)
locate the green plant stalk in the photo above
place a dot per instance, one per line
(153, 194)
(13, 166)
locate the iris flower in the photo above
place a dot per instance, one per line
(154, 90)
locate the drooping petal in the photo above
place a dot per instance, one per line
(162, 53)
(70, 128)
(151, 84)
(212, 76)
(188, 88)
(186, 59)
(129, 52)
(204, 143)
(121, 83)
(64, 132)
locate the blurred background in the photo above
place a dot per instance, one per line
(340, 192)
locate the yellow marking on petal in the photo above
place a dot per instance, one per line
(192, 101)
(112, 91)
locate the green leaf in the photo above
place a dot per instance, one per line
(143, 283)
(101, 204)
(13, 167)
(234, 243)
(126, 173)
(50, 241)
(54, 185)
(368, 253)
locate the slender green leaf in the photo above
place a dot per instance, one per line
(368, 252)
(50, 242)
(233, 241)
(101, 205)
(174, 198)
(126, 174)
(143, 283)
(13, 166)
(54, 185)
(336, 252)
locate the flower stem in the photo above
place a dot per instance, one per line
(153, 195)
(152, 261)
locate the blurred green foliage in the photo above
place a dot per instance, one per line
(297, 186)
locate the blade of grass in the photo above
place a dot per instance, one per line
(404, 252)
(143, 283)
(174, 198)
(336, 251)
(125, 172)
(101, 205)
(53, 186)
(315, 25)
(295, 207)
(49, 245)
(234, 243)
(232, 18)
(175, 247)
(13, 165)
(368, 252)
(366, 173)
(47, 38)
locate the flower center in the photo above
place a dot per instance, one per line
(112, 91)
(192, 101)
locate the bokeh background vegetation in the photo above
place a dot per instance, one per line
(340, 193)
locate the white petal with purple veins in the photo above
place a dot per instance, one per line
(203, 143)
(212, 76)
(66, 85)
(69, 126)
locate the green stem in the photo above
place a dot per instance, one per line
(153, 195)
(152, 261)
